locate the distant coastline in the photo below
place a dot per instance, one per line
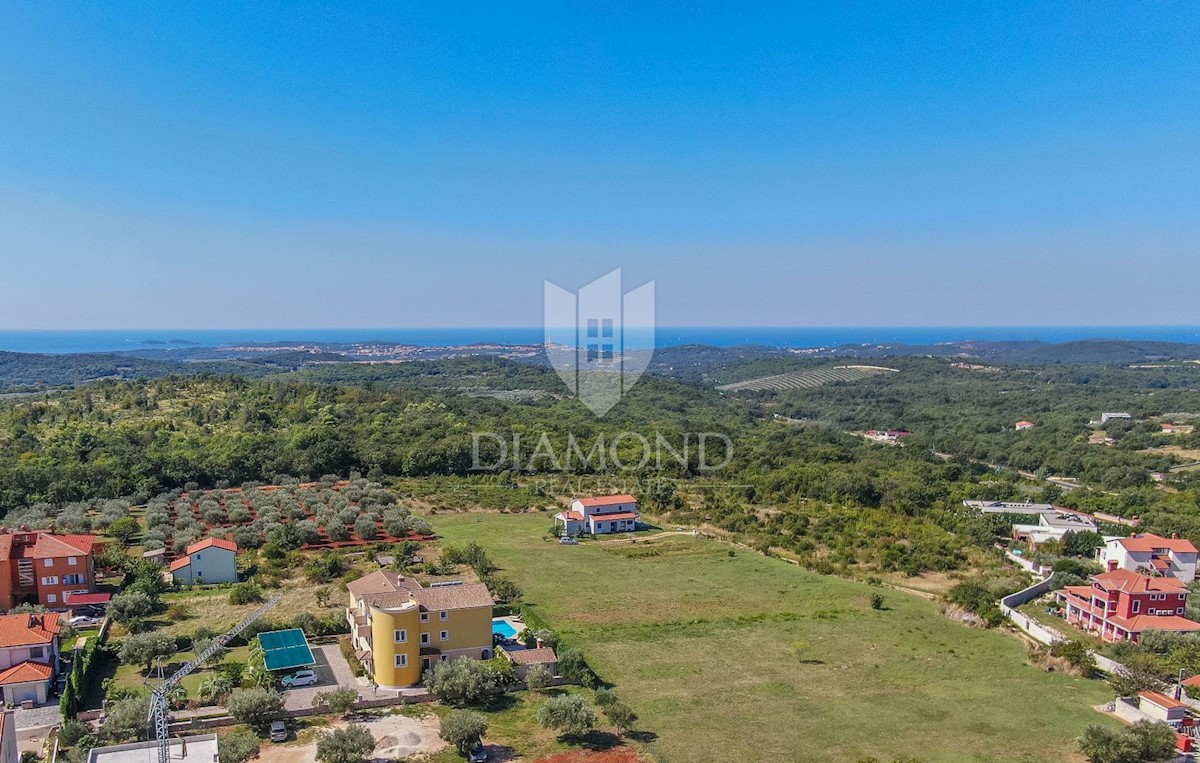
(65, 342)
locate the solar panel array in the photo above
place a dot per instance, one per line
(283, 650)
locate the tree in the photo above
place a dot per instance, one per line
(545, 635)
(462, 682)
(339, 701)
(245, 593)
(569, 715)
(127, 719)
(538, 677)
(572, 666)
(1141, 672)
(124, 529)
(345, 745)
(238, 747)
(215, 687)
(143, 648)
(128, 606)
(464, 729)
(1143, 742)
(620, 715)
(502, 589)
(254, 707)
(1076, 653)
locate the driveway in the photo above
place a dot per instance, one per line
(396, 737)
(332, 671)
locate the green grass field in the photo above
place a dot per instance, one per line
(745, 658)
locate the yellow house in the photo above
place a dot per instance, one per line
(400, 629)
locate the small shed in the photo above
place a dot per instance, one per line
(1160, 707)
(524, 659)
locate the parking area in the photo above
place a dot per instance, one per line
(332, 671)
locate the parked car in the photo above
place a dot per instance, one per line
(279, 731)
(478, 754)
(84, 621)
(567, 540)
(299, 678)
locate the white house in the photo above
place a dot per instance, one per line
(212, 560)
(1151, 554)
(28, 656)
(599, 515)
(1053, 525)
(1108, 416)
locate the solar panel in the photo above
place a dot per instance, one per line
(283, 650)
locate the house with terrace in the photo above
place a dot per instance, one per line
(1120, 605)
(1150, 554)
(400, 629)
(39, 567)
(28, 656)
(598, 515)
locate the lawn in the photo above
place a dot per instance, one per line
(745, 658)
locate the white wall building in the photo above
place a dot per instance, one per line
(600, 515)
(1151, 555)
(212, 560)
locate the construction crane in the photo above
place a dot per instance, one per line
(158, 698)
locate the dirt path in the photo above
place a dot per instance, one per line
(396, 737)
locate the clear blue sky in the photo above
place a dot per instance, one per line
(245, 164)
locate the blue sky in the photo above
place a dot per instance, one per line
(247, 165)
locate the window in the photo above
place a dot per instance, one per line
(402, 660)
(402, 636)
(443, 616)
(1137, 605)
(50, 580)
(48, 563)
(424, 639)
(75, 578)
(1179, 611)
(424, 617)
(445, 635)
(36, 652)
(71, 560)
(442, 658)
(51, 598)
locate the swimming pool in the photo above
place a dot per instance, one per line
(504, 628)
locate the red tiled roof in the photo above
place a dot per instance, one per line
(573, 516)
(1024, 423)
(1193, 681)
(200, 545)
(81, 599)
(24, 672)
(53, 546)
(1132, 582)
(621, 515)
(1173, 623)
(542, 655)
(23, 630)
(1150, 541)
(1162, 700)
(180, 563)
(607, 500)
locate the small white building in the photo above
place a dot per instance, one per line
(1160, 707)
(209, 561)
(1150, 554)
(1053, 525)
(1110, 415)
(600, 515)
(201, 748)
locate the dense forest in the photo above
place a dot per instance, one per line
(796, 478)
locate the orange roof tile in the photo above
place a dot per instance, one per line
(200, 545)
(607, 500)
(1150, 542)
(1162, 700)
(1133, 582)
(53, 546)
(26, 629)
(180, 563)
(24, 672)
(619, 515)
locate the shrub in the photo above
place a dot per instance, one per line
(345, 745)
(538, 677)
(339, 701)
(254, 707)
(568, 714)
(464, 729)
(462, 682)
(245, 593)
(238, 747)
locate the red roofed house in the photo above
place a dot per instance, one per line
(1152, 555)
(600, 515)
(1024, 425)
(1120, 605)
(212, 560)
(28, 656)
(40, 567)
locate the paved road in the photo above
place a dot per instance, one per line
(332, 671)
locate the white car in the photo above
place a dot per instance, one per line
(299, 678)
(83, 621)
(566, 540)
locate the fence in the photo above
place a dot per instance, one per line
(213, 722)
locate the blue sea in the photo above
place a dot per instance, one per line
(60, 342)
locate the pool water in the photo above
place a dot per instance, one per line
(504, 628)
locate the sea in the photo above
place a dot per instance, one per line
(63, 342)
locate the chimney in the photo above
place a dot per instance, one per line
(539, 643)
